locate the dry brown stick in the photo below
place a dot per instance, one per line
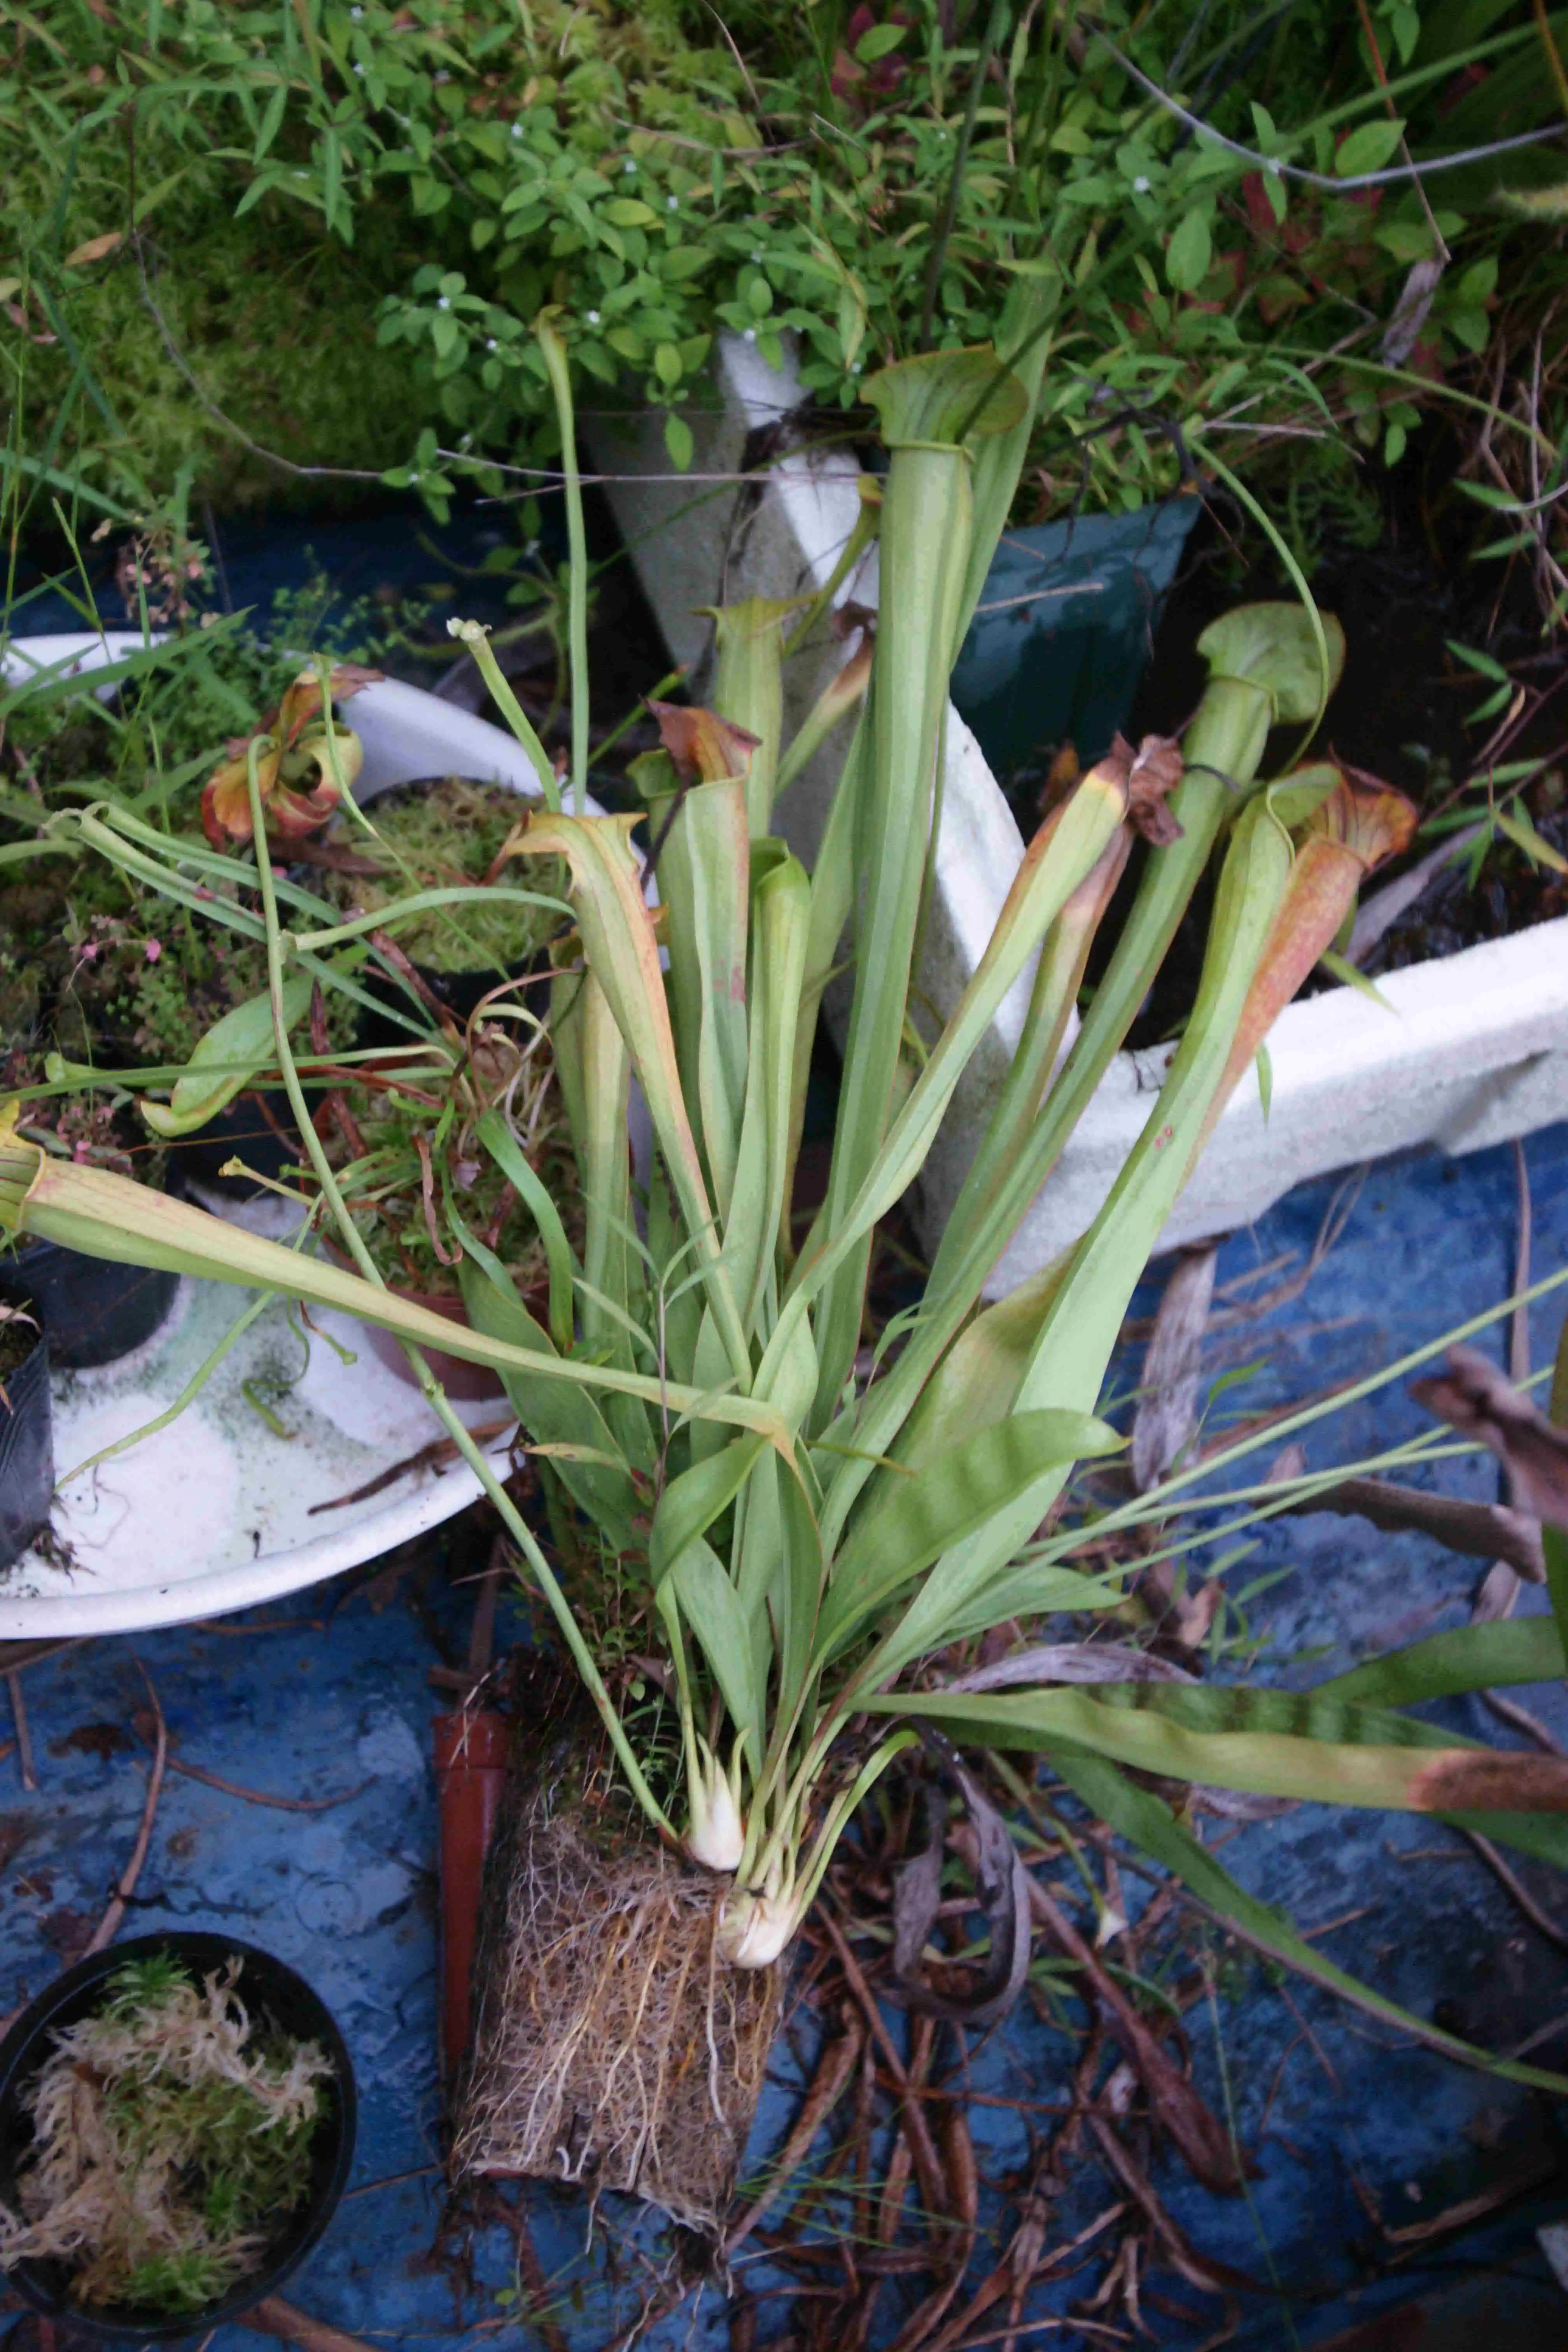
(482, 1632)
(23, 1741)
(1195, 2129)
(530, 2270)
(1196, 2267)
(273, 2317)
(922, 2147)
(835, 2067)
(259, 1796)
(1519, 1718)
(109, 1926)
(964, 2189)
(1539, 1920)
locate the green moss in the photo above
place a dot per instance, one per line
(438, 834)
(172, 2132)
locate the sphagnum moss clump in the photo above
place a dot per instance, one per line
(172, 2132)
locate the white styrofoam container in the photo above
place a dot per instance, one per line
(1473, 1050)
(224, 1508)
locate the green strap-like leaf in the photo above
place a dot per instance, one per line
(226, 1060)
(951, 1500)
(511, 1158)
(1150, 1823)
(1274, 1743)
(552, 1414)
(1469, 1658)
(712, 1607)
(689, 1504)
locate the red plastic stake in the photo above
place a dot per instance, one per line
(470, 1768)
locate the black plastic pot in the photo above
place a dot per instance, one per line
(93, 1309)
(27, 1452)
(461, 993)
(268, 1988)
(257, 1127)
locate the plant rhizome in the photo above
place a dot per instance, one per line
(614, 2046)
(173, 2130)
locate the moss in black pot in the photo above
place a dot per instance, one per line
(173, 2128)
(444, 834)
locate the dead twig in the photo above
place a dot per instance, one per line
(1197, 2132)
(109, 1926)
(1544, 1924)
(838, 2063)
(261, 1797)
(273, 2317)
(24, 1739)
(922, 2149)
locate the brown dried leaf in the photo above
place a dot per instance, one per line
(705, 748)
(1477, 1399)
(1167, 1413)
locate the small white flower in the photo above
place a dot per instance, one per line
(857, 366)
(757, 256)
(592, 317)
(358, 68)
(491, 344)
(1142, 185)
(1272, 166)
(443, 301)
(628, 165)
(672, 203)
(517, 131)
(531, 548)
(356, 14)
(750, 336)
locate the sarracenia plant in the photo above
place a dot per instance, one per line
(794, 1539)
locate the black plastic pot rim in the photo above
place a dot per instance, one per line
(24, 2047)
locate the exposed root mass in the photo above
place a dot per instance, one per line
(612, 2045)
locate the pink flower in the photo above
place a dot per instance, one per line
(155, 950)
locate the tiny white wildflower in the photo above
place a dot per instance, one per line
(491, 344)
(672, 203)
(443, 301)
(1142, 185)
(517, 131)
(750, 336)
(628, 165)
(358, 68)
(592, 317)
(356, 14)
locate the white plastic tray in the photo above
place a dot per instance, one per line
(222, 1509)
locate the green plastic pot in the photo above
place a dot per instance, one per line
(1060, 642)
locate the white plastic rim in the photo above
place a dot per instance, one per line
(242, 1499)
